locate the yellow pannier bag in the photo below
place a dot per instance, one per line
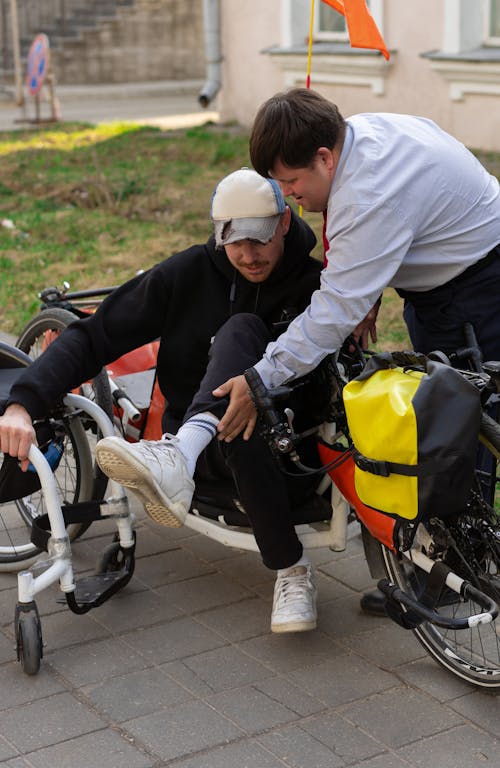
(414, 431)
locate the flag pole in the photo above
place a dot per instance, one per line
(309, 47)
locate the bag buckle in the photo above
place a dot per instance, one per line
(380, 468)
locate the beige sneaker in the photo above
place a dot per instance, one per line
(155, 471)
(294, 602)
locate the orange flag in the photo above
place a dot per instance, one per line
(362, 30)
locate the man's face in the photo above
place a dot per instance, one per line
(254, 260)
(310, 185)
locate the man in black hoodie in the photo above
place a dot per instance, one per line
(213, 307)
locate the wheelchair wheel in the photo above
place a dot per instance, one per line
(75, 483)
(33, 340)
(29, 640)
(469, 544)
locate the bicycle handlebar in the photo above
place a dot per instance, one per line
(264, 401)
(280, 435)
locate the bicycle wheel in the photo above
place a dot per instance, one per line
(33, 340)
(470, 545)
(42, 330)
(74, 482)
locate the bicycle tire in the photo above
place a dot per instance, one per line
(74, 481)
(57, 319)
(33, 340)
(470, 544)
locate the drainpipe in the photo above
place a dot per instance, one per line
(16, 51)
(211, 20)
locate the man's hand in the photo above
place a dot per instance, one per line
(240, 415)
(17, 434)
(367, 328)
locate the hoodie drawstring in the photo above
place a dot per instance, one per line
(232, 295)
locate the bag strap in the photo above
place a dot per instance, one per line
(384, 361)
(386, 468)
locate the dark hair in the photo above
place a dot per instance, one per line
(291, 126)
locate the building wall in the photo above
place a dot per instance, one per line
(409, 83)
(142, 40)
(150, 40)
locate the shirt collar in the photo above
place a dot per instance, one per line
(346, 148)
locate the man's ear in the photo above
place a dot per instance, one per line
(286, 218)
(328, 157)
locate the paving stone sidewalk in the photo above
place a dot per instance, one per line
(180, 669)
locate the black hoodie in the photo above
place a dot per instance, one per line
(183, 301)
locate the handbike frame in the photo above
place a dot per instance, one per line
(338, 465)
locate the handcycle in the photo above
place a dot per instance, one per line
(441, 578)
(462, 634)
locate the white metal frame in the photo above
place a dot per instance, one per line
(332, 534)
(57, 566)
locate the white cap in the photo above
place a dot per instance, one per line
(245, 205)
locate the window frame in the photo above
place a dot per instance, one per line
(489, 39)
(327, 35)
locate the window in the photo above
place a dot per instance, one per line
(492, 36)
(330, 25)
(335, 62)
(470, 56)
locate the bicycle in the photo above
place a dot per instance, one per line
(458, 627)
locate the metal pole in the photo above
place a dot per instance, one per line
(5, 44)
(16, 49)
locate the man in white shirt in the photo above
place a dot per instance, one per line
(406, 206)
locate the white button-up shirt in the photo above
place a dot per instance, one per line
(409, 207)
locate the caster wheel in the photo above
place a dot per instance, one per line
(29, 641)
(113, 558)
(109, 560)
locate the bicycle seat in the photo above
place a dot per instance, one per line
(222, 504)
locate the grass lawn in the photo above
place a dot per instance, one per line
(92, 205)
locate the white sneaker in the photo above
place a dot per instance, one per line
(294, 602)
(155, 471)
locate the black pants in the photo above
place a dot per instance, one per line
(435, 319)
(264, 491)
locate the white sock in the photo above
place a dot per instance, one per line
(195, 435)
(304, 560)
